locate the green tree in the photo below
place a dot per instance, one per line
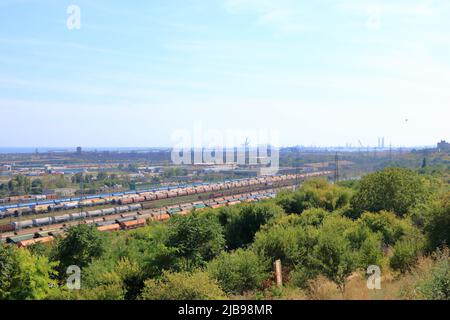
(241, 223)
(281, 242)
(392, 189)
(82, 244)
(388, 225)
(239, 271)
(19, 185)
(367, 244)
(37, 186)
(437, 228)
(24, 276)
(101, 281)
(101, 176)
(406, 252)
(312, 217)
(196, 238)
(333, 255)
(182, 286)
(77, 178)
(317, 193)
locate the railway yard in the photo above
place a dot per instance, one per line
(25, 224)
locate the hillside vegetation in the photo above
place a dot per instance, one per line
(325, 235)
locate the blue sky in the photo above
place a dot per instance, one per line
(317, 72)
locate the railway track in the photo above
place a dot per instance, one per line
(36, 235)
(181, 197)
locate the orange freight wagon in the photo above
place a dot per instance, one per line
(134, 224)
(26, 243)
(111, 227)
(161, 217)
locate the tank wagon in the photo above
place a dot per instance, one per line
(137, 217)
(49, 203)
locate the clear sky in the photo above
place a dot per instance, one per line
(317, 72)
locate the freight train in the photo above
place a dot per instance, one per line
(138, 217)
(130, 197)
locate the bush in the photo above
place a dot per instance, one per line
(242, 223)
(82, 244)
(23, 275)
(333, 255)
(239, 271)
(388, 225)
(316, 193)
(406, 253)
(436, 286)
(392, 189)
(367, 244)
(290, 244)
(196, 239)
(312, 217)
(182, 286)
(437, 229)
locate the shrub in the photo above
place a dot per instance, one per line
(436, 286)
(182, 286)
(392, 189)
(406, 253)
(316, 193)
(196, 239)
(312, 217)
(23, 275)
(388, 225)
(278, 242)
(242, 223)
(82, 244)
(333, 255)
(367, 244)
(239, 271)
(437, 229)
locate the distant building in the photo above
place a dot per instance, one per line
(79, 151)
(443, 146)
(5, 170)
(6, 167)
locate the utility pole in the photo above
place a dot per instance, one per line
(390, 153)
(82, 193)
(336, 170)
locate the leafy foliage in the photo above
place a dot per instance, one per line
(239, 271)
(24, 276)
(392, 189)
(388, 225)
(231, 250)
(290, 244)
(436, 286)
(182, 286)
(196, 239)
(314, 194)
(242, 223)
(437, 228)
(406, 253)
(82, 244)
